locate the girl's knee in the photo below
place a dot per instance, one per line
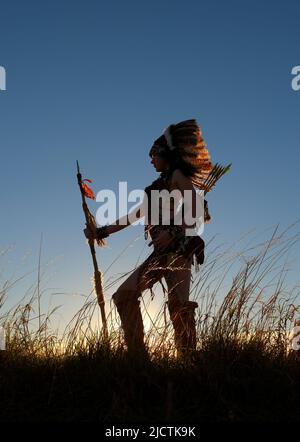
(124, 295)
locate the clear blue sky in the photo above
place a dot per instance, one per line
(98, 82)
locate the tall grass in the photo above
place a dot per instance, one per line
(243, 369)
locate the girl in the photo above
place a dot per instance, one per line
(181, 157)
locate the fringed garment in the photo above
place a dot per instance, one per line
(191, 247)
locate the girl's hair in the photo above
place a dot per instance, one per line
(176, 162)
(186, 150)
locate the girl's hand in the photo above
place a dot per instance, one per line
(90, 232)
(163, 240)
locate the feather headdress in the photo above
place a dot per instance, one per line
(183, 142)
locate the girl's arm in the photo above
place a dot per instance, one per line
(124, 221)
(91, 232)
(183, 183)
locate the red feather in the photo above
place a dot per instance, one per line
(87, 191)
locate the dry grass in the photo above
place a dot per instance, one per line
(243, 369)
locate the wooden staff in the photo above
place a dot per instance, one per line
(97, 274)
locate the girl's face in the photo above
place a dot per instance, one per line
(159, 163)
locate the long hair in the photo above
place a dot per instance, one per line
(183, 146)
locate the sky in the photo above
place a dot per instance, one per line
(98, 81)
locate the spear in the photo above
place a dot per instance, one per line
(90, 220)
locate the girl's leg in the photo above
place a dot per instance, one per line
(178, 277)
(181, 310)
(128, 305)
